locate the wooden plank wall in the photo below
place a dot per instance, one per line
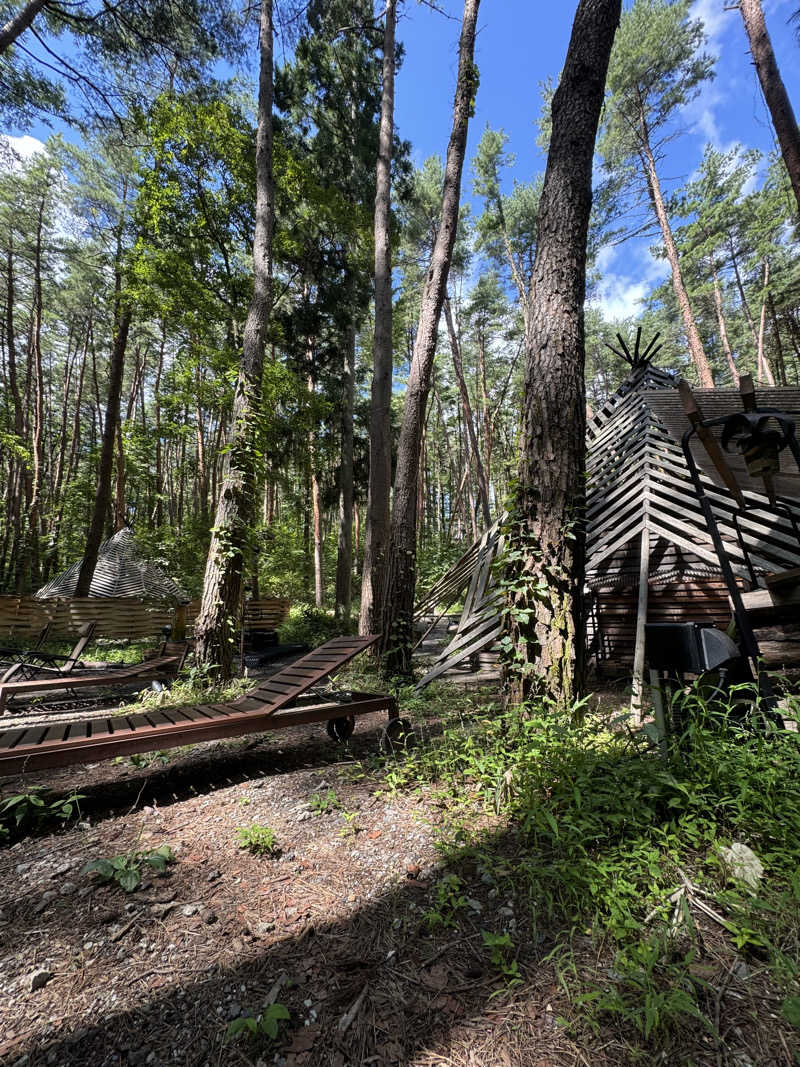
(692, 600)
(118, 617)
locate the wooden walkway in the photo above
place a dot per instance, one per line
(275, 703)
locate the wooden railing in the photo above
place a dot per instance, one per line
(119, 617)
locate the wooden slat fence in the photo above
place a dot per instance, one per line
(118, 617)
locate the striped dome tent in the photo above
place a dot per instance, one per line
(120, 572)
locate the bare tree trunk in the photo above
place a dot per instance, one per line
(344, 557)
(742, 295)
(158, 511)
(544, 617)
(480, 471)
(376, 537)
(401, 575)
(35, 504)
(780, 363)
(19, 23)
(103, 494)
(723, 331)
(764, 369)
(316, 515)
(780, 107)
(696, 349)
(220, 605)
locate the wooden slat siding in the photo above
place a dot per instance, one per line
(265, 614)
(120, 618)
(699, 601)
(120, 572)
(154, 729)
(481, 620)
(634, 455)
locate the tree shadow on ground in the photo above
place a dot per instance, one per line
(402, 977)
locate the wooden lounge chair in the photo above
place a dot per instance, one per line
(281, 700)
(162, 667)
(47, 663)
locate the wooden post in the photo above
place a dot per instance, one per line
(641, 619)
(179, 629)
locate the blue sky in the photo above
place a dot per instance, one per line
(521, 43)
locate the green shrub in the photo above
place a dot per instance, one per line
(260, 840)
(126, 869)
(265, 1025)
(29, 811)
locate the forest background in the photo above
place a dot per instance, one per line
(147, 185)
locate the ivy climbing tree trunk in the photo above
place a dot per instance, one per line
(401, 574)
(376, 536)
(544, 635)
(214, 629)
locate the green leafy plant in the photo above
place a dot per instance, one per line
(322, 803)
(449, 900)
(265, 1025)
(146, 759)
(501, 949)
(651, 992)
(126, 869)
(258, 839)
(350, 828)
(30, 810)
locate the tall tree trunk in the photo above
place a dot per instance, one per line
(103, 495)
(723, 330)
(376, 537)
(480, 470)
(696, 349)
(402, 569)
(158, 511)
(544, 617)
(764, 370)
(35, 504)
(742, 295)
(344, 557)
(20, 22)
(780, 363)
(780, 107)
(223, 578)
(316, 510)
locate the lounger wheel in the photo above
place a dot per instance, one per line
(397, 736)
(341, 729)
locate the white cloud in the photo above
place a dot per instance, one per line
(26, 146)
(620, 295)
(15, 150)
(619, 299)
(715, 18)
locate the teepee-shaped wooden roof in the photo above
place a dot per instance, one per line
(120, 572)
(638, 481)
